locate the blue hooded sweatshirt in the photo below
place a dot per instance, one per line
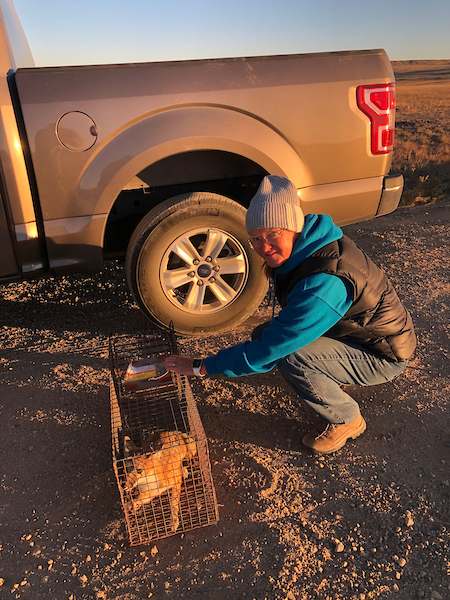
(314, 305)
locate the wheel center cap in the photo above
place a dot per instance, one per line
(204, 270)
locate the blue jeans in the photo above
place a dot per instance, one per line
(317, 371)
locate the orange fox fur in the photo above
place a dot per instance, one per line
(161, 471)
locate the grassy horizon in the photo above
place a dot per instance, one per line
(422, 133)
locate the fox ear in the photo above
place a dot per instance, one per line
(128, 446)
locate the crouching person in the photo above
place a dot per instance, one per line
(341, 322)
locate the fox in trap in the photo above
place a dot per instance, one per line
(162, 471)
(160, 453)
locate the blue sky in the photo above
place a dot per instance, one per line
(69, 32)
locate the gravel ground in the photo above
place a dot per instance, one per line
(370, 521)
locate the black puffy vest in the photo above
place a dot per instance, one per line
(376, 319)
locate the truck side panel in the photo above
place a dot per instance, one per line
(21, 249)
(90, 130)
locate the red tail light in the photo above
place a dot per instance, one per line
(378, 103)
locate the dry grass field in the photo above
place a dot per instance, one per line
(422, 143)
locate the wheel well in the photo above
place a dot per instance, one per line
(229, 175)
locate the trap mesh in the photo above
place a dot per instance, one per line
(149, 475)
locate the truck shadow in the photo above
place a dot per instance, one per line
(99, 304)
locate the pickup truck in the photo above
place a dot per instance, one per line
(157, 162)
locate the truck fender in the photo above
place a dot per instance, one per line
(184, 129)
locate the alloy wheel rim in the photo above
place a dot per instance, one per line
(204, 270)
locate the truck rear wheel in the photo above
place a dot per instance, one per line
(189, 263)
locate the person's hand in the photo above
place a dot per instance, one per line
(182, 365)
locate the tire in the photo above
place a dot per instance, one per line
(189, 264)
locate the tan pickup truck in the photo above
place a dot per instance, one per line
(157, 162)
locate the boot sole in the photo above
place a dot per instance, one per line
(361, 429)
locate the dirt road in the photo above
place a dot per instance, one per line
(371, 521)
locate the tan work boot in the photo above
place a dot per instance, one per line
(331, 437)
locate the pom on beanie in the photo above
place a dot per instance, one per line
(275, 205)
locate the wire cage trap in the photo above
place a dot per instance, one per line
(160, 452)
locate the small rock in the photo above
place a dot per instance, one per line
(154, 551)
(339, 547)
(409, 521)
(436, 595)
(401, 562)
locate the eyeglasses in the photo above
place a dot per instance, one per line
(273, 237)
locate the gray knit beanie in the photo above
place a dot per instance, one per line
(275, 205)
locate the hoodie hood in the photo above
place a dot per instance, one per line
(318, 231)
